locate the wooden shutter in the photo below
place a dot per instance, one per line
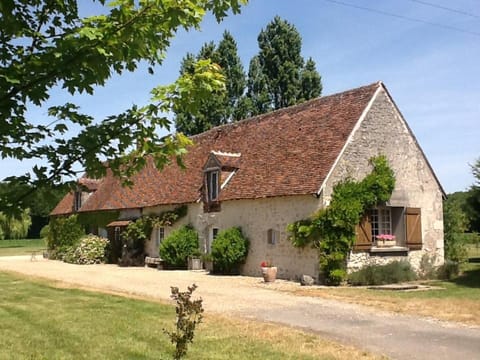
(363, 231)
(413, 223)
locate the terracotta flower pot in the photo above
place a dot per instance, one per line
(269, 273)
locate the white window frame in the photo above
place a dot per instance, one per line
(212, 185)
(381, 220)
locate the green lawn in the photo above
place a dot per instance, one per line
(39, 321)
(21, 247)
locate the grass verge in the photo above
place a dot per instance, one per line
(46, 322)
(457, 300)
(21, 246)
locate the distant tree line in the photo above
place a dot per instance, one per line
(461, 215)
(278, 76)
(35, 210)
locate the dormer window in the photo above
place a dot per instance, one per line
(77, 200)
(218, 170)
(212, 185)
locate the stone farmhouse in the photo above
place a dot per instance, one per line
(264, 173)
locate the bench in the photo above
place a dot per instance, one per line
(34, 254)
(154, 262)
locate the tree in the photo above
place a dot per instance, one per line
(40, 202)
(235, 80)
(455, 224)
(221, 107)
(47, 44)
(257, 93)
(280, 69)
(473, 200)
(15, 227)
(311, 81)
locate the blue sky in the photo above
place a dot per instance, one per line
(431, 71)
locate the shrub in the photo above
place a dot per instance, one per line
(449, 270)
(394, 272)
(64, 232)
(178, 246)
(229, 249)
(189, 315)
(90, 250)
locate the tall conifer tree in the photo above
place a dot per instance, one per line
(222, 107)
(280, 70)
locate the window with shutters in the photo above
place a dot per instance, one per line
(400, 223)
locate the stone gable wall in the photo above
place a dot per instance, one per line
(383, 131)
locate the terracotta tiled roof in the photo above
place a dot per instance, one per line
(285, 152)
(90, 184)
(65, 206)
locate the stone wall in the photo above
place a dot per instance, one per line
(255, 217)
(357, 260)
(383, 131)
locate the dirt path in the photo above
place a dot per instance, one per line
(397, 336)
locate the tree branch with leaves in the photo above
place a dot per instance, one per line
(46, 45)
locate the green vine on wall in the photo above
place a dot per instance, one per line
(168, 218)
(332, 230)
(139, 231)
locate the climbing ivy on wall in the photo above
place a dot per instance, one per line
(98, 218)
(332, 230)
(168, 218)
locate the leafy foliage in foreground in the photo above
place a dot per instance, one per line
(332, 230)
(48, 45)
(189, 315)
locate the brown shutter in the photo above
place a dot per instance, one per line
(363, 232)
(413, 223)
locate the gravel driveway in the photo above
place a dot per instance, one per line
(397, 336)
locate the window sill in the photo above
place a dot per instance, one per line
(391, 249)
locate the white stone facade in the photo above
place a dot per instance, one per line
(255, 218)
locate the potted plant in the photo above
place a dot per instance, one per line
(195, 261)
(269, 271)
(385, 240)
(207, 262)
